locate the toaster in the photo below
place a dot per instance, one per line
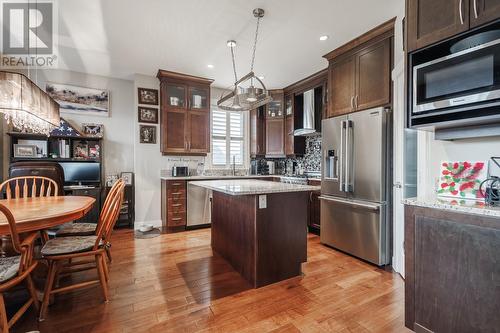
(180, 171)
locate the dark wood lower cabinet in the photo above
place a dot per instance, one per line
(93, 215)
(265, 245)
(452, 281)
(314, 208)
(173, 205)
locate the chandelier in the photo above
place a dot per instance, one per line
(25, 105)
(244, 95)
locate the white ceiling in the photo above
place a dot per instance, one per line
(118, 38)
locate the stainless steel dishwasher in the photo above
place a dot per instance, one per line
(198, 205)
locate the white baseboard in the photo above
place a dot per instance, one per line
(155, 223)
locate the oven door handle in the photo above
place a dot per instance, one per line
(460, 10)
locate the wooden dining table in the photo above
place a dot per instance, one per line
(33, 214)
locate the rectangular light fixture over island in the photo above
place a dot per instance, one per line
(25, 105)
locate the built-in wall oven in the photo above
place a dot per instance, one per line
(467, 78)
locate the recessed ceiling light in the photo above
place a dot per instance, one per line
(324, 37)
(261, 77)
(210, 66)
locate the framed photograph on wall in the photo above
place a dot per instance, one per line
(93, 130)
(147, 96)
(147, 134)
(148, 115)
(79, 100)
(128, 177)
(25, 151)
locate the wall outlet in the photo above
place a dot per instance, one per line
(262, 201)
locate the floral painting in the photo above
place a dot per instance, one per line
(461, 179)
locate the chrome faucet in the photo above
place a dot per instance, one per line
(234, 165)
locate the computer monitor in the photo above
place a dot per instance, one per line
(81, 172)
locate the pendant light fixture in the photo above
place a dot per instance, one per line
(25, 105)
(244, 95)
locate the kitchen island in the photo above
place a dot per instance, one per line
(260, 227)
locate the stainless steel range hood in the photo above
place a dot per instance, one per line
(308, 121)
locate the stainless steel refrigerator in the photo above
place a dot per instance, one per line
(356, 184)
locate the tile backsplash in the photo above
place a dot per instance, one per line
(310, 162)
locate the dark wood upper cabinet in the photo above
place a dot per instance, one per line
(275, 125)
(483, 11)
(360, 72)
(342, 85)
(290, 127)
(275, 145)
(430, 21)
(173, 132)
(199, 137)
(373, 78)
(289, 138)
(185, 114)
(257, 132)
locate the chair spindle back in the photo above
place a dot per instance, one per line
(29, 186)
(110, 211)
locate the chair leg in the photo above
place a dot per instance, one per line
(31, 288)
(48, 288)
(3, 315)
(108, 253)
(105, 268)
(44, 236)
(102, 278)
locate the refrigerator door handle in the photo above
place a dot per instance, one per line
(351, 203)
(341, 158)
(348, 155)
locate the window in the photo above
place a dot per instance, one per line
(227, 138)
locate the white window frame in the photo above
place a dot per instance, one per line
(245, 140)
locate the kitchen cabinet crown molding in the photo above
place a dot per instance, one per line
(312, 81)
(164, 74)
(385, 30)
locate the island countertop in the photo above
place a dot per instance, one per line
(252, 186)
(468, 206)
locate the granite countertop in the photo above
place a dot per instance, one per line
(217, 177)
(467, 206)
(252, 186)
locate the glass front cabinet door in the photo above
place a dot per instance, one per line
(275, 107)
(198, 98)
(176, 96)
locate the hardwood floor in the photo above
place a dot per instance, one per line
(174, 283)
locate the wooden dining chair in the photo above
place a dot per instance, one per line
(60, 250)
(16, 269)
(29, 186)
(87, 229)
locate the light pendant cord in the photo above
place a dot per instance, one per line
(234, 64)
(255, 44)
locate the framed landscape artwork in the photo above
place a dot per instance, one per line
(148, 115)
(147, 96)
(80, 100)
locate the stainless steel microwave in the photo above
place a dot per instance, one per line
(463, 80)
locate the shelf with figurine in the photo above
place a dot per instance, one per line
(64, 144)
